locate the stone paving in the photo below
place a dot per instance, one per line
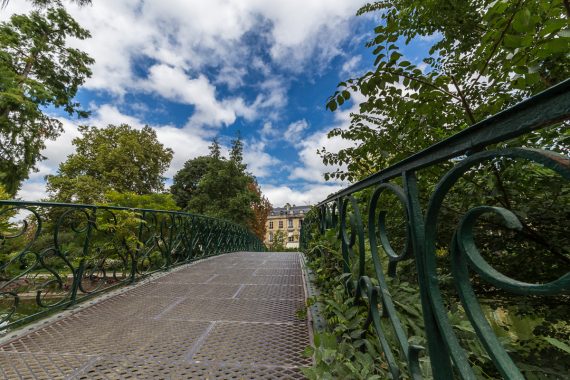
(234, 316)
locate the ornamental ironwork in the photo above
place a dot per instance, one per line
(358, 217)
(53, 255)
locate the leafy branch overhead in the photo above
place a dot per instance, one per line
(485, 56)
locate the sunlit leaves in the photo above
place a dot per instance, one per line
(119, 158)
(484, 57)
(37, 69)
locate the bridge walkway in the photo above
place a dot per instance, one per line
(234, 316)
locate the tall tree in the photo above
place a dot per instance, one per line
(37, 69)
(215, 149)
(187, 179)
(236, 152)
(118, 158)
(215, 186)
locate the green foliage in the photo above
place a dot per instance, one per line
(215, 186)
(117, 158)
(278, 244)
(46, 3)
(485, 56)
(155, 201)
(532, 334)
(187, 179)
(37, 69)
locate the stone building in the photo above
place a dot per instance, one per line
(287, 219)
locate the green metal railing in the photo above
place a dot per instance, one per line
(363, 238)
(53, 255)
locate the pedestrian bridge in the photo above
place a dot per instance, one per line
(237, 315)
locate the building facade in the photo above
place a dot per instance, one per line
(285, 221)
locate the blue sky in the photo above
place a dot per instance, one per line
(197, 69)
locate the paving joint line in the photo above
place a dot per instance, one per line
(238, 291)
(178, 301)
(82, 369)
(200, 341)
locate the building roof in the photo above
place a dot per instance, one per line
(290, 210)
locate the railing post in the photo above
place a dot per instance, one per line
(438, 351)
(78, 273)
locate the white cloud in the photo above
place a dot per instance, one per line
(268, 131)
(32, 191)
(307, 195)
(313, 168)
(350, 67)
(258, 161)
(193, 34)
(295, 130)
(175, 85)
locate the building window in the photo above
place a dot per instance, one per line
(290, 239)
(271, 236)
(271, 225)
(300, 223)
(290, 223)
(280, 224)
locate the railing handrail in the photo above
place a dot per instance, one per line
(548, 107)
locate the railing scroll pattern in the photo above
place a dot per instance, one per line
(53, 255)
(359, 234)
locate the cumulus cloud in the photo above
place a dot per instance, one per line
(312, 167)
(295, 130)
(258, 161)
(192, 35)
(350, 67)
(306, 195)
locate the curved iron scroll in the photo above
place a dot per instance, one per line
(53, 255)
(361, 228)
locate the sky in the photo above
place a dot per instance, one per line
(194, 70)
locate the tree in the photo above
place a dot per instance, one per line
(278, 244)
(236, 153)
(261, 211)
(186, 180)
(215, 149)
(37, 69)
(118, 158)
(215, 186)
(154, 201)
(486, 56)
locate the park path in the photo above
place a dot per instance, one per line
(234, 316)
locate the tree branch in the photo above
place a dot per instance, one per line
(402, 74)
(496, 46)
(464, 101)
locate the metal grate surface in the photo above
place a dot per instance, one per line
(229, 317)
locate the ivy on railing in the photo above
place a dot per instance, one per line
(53, 255)
(438, 256)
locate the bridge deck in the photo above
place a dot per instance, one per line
(229, 317)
